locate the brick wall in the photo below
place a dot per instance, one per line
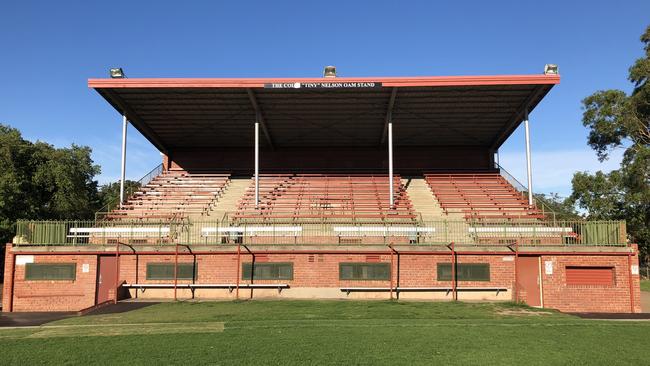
(54, 295)
(590, 298)
(316, 276)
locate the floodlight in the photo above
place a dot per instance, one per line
(330, 72)
(117, 73)
(551, 69)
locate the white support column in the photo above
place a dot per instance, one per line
(257, 164)
(528, 164)
(390, 164)
(123, 172)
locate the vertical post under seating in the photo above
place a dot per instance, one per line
(257, 164)
(117, 269)
(238, 267)
(516, 286)
(391, 271)
(453, 272)
(123, 171)
(176, 272)
(390, 163)
(528, 163)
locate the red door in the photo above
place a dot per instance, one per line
(106, 279)
(528, 280)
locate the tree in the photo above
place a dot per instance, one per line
(562, 208)
(109, 194)
(40, 182)
(620, 121)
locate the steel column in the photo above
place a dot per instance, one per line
(176, 272)
(516, 284)
(257, 164)
(238, 267)
(392, 263)
(528, 163)
(123, 171)
(117, 270)
(390, 163)
(453, 272)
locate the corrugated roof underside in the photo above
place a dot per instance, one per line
(422, 116)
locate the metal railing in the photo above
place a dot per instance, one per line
(537, 201)
(129, 191)
(529, 232)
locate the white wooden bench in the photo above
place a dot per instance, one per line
(348, 290)
(193, 286)
(120, 231)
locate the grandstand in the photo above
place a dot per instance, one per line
(326, 188)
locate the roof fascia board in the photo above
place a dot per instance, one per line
(430, 81)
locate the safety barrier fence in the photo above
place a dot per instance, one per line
(539, 203)
(443, 232)
(129, 191)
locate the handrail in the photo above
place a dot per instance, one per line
(537, 201)
(112, 204)
(436, 232)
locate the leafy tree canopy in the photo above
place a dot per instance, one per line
(109, 194)
(39, 181)
(618, 120)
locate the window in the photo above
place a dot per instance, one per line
(465, 271)
(50, 271)
(165, 271)
(267, 271)
(594, 276)
(364, 271)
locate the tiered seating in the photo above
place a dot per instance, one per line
(173, 195)
(317, 198)
(480, 196)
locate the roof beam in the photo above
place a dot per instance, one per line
(389, 115)
(516, 118)
(259, 116)
(122, 107)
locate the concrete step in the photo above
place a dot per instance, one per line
(230, 198)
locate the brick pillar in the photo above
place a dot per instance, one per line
(636, 281)
(8, 288)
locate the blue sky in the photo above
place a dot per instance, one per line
(50, 49)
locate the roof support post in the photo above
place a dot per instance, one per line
(257, 164)
(390, 165)
(528, 163)
(125, 124)
(259, 117)
(389, 114)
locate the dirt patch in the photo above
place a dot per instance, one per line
(108, 330)
(523, 312)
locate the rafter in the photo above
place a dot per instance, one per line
(389, 115)
(259, 116)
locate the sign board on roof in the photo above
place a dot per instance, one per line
(324, 85)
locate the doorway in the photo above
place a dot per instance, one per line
(106, 279)
(529, 280)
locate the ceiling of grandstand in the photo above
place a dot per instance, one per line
(436, 111)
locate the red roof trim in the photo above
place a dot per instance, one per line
(386, 81)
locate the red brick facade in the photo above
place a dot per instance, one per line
(317, 276)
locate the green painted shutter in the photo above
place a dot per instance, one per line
(50, 271)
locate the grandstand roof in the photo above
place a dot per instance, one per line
(426, 111)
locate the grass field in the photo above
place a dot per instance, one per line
(329, 332)
(645, 285)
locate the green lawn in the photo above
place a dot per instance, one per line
(645, 285)
(329, 332)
